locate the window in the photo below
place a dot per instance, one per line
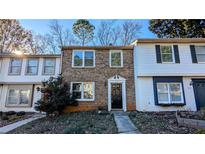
(19, 96)
(49, 66)
(84, 91)
(116, 59)
(200, 53)
(167, 54)
(169, 93)
(15, 66)
(32, 66)
(83, 58)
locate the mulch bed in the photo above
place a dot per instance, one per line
(13, 118)
(71, 123)
(159, 123)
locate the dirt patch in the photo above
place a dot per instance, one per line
(71, 123)
(159, 123)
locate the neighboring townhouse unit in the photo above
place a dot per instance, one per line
(100, 76)
(169, 74)
(20, 75)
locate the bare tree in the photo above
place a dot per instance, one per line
(108, 33)
(13, 36)
(129, 31)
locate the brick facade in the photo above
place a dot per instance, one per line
(100, 75)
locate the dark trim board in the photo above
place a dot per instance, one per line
(157, 79)
(195, 91)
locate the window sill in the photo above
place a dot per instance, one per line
(173, 104)
(83, 67)
(85, 100)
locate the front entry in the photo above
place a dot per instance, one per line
(199, 91)
(116, 95)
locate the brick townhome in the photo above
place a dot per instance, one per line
(100, 76)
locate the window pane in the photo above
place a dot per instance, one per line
(32, 70)
(32, 62)
(116, 59)
(49, 70)
(88, 90)
(163, 97)
(13, 96)
(49, 62)
(175, 92)
(76, 87)
(16, 62)
(167, 58)
(78, 58)
(15, 70)
(166, 53)
(200, 58)
(24, 96)
(89, 58)
(200, 49)
(77, 95)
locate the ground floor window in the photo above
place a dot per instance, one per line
(168, 91)
(19, 96)
(84, 91)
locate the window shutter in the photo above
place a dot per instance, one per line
(193, 54)
(176, 54)
(158, 54)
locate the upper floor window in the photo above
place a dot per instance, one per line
(83, 58)
(166, 54)
(49, 66)
(15, 66)
(32, 66)
(200, 53)
(116, 58)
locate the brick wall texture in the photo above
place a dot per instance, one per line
(100, 75)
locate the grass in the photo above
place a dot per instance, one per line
(71, 123)
(159, 123)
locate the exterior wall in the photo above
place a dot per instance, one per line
(3, 98)
(100, 75)
(145, 96)
(147, 65)
(23, 78)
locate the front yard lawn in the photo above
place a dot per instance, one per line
(71, 123)
(159, 123)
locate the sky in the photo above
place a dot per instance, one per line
(41, 26)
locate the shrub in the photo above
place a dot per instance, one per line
(21, 113)
(10, 113)
(75, 130)
(5, 118)
(56, 96)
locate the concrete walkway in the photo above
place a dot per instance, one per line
(17, 124)
(124, 124)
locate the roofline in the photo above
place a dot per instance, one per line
(169, 40)
(30, 56)
(98, 47)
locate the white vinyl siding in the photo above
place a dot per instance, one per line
(81, 58)
(200, 54)
(84, 91)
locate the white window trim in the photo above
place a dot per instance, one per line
(82, 92)
(173, 56)
(121, 54)
(43, 70)
(27, 62)
(196, 55)
(169, 94)
(10, 65)
(83, 59)
(18, 103)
